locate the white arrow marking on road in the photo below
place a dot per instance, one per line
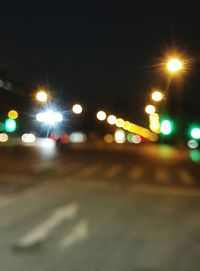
(41, 232)
(79, 232)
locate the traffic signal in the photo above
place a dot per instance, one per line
(166, 127)
(10, 125)
(195, 132)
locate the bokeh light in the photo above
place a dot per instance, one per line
(119, 122)
(157, 96)
(109, 138)
(166, 127)
(120, 136)
(195, 133)
(192, 144)
(136, 139)
(42, 96)
(111, 119)
(10, 125)
(2, 126)
(28, 138)
(195, 156)
(77, 109)
(49, 117)
(3, 137)
(101, 115)
(150, 109)
(13, 114)
(174, 65)
(127, 125)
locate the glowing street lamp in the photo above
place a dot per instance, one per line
(174, 65)
(150, 109)
(157, 96)
(101, 115)
(41, 96)
(77, 109)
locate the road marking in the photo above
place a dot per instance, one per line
(136, 172)
(162, 176)
(185, 177)
(42, 231)
(113, 170)
(78, 233)
(90, 170)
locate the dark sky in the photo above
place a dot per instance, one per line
(102, 55)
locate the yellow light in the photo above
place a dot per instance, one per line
(119, 122)
(157, 96)
(127, 125)
(12, 114)
(174, 65)
(111, 119)
(101, 115)
(41, 96)
(109, 138)
(77, 109)
(153, 117)
(150, 109)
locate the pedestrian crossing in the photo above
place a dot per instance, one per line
(113, 171)
(135, 173)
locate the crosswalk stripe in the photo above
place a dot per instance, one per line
(136, 172)
(90, 170)
(162, 176)
(113, 170)
(185, 177)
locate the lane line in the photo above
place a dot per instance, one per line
(41, 232)
(78, 233)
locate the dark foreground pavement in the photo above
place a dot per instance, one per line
(99, 210)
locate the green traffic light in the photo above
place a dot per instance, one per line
(166, 127)
(10, 125)
(195, 132)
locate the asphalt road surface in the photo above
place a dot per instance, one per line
(96, 209)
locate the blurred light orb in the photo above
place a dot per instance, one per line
(111, 119)
(77, 109)
(136, 139)
(157, 96)
(153, 117)
(150, 109)
(109, 138)
(41, 96)
(166, 127)
(49, 117)
(28, 138)
(195, 133)
(120, 136)
(77, 137)
(101, 115)
(120, 122)
(10, 125)
(192, 144)
(174, 65)
(127, 125)
(2, 126)
(13, 114)
(3, 137)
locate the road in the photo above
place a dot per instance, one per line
(99, 209)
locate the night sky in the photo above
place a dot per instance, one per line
(102, 55)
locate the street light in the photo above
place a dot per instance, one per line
(41, 96)
(101, 115)
(157, 96)
(150, 109)
(77, 109)
(174, 65)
